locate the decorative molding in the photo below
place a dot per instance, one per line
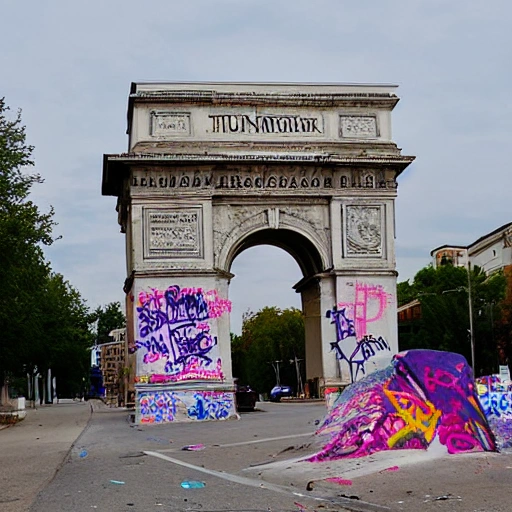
(317, 157)
(166, 123)
(234, 223)
(173, 232)
(293, 99)
(507, 239)
(363, 230)
(358, 127)
(273, 218)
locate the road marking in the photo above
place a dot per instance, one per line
(225, 476)
(243, 443)
(266, 440)
(360, 506)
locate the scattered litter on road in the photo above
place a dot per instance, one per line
(158, 440)
(392, 468)
(339, 481)
(132, 454)
(447, 497)
(193, 447)
(350, 496)
(442, 498)
(192, 484)
(117, 482)
(83, 454)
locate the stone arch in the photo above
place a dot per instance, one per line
(307, 247)
(213, 169)
(307, 254)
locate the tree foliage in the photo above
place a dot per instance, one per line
(43, 320)
(504, 322)
(108, 318)
(267, 336)
(444, 323)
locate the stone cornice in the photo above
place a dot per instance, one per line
(278, 157)
(115, 167)
(291, 99)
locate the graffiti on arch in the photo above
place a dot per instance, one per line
(351, 320)
(173, 406)
(175, 334)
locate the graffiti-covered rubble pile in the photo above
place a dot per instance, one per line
(496, 399)
(421, 395)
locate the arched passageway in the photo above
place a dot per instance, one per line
(303, 254)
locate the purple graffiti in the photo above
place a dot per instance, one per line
(173, 325)
(420, 395)
(344, 325)
(365, 349)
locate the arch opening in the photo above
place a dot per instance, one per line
(297, 245)
(305, 349)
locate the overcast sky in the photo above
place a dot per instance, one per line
(68, 66)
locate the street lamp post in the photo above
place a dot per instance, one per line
(471, 330)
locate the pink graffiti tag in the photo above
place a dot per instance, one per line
(369, 304)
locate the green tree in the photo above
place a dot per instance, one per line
(23, 228)
(44, 322)
(504, 322)
(67, 336)
(444, 324)
(270, 335)
(109, 317)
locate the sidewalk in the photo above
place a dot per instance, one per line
(34, 449)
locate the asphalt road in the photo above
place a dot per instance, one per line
(114, 466)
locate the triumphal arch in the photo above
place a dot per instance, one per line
(215, 168)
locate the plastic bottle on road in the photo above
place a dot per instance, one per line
(192, 484)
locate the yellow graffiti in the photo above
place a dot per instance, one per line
(478, 409)
(418, 415)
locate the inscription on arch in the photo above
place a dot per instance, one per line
(285, 180)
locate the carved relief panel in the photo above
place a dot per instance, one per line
(363, 229)
(173, 232)
(358, 127)
(164, 124)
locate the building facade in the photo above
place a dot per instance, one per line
(490, 252)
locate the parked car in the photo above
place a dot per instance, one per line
(279, 392)
(246, 398)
